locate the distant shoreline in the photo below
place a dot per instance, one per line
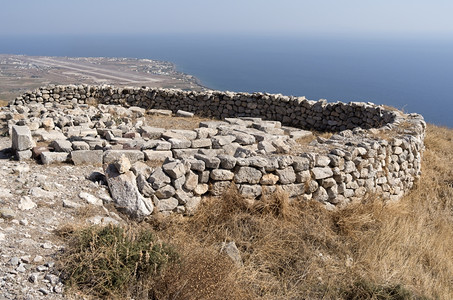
(19, 73)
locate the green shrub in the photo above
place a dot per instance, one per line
(108, 261)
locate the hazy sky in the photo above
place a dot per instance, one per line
(352, 17)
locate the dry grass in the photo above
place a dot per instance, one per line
(303, 144)
(299, 250)
(174, 122)
(3, 103)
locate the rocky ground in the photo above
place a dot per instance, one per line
(35, 200)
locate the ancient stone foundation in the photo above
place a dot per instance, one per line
(255, 143)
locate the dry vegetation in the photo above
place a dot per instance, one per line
(298, 250)
(3, 103)
(175, 122)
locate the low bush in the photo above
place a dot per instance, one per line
(113, 261)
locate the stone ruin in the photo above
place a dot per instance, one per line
(252, 142)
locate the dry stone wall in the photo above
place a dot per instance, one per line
(372, 149)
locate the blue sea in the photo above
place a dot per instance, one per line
(412, 74)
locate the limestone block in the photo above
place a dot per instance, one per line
(183, 197)
(168, 204)
(219, 187)
(141, 168)
(221, 140)
(21, 138)
(285, 161)
(221, 175)
(122, 165)
(321, 173)
(243, 138)
(269, 179)
(286, 176)
(186, 134)
(312, 186)
(266, 146)
(294, 190)
(48, 136)
(195, 164)
(174, 169)
(203, 177)
(247, 175)
(153, 155)
(80, 145)
(88, 157)
(257, 161)
(233, 253)
(185, 114)
(328, 182)
(322, 161)
(227, 161)
(24, 155)
(178, 183)
(203, 133)
(201, 143)
(162, 146)
(153, 133)
(250, 191)
(184, 153)
(144, 186)
(159, 179)
(201, 189)
(211, 162)
(320, 195)
(165, 192)
(179, 143)
(48, 158)
(125, 193)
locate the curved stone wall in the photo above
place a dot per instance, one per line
(373, 149)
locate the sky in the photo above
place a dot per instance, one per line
(262, 17)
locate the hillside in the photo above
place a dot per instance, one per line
(288, 250)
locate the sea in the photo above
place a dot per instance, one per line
(412, 74)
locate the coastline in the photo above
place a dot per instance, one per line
(20, 73)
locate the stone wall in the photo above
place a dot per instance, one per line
(294, 111)
(373, 149)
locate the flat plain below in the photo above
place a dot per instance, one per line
(19, 73)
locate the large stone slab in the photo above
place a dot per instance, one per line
(201, 143)
(321, 173)
(125, 193)
(62, 146)
(159, 179)
(152, 132)
(87, 157)
(48, 158)
(179, 143)
(286, 176)
(153, 155)
(184, 153)
(48, 136)
(21, 138)
(221, 175)
(248, 175)
(211, 162)
(174, 169)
